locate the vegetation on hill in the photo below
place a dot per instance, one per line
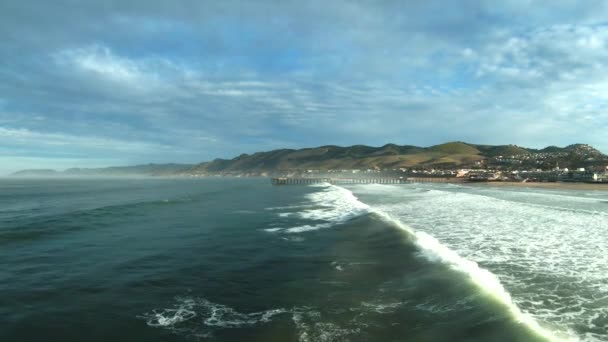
(448, 155)
(502, 150)
(454, 148)
(444, 156)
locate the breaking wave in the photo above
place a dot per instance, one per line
(325, 208)
(335, 205)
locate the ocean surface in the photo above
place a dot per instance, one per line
(241, 260)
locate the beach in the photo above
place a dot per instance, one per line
(546, 185)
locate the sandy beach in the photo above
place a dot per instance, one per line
(547, 185)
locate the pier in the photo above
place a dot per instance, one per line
(383, 180)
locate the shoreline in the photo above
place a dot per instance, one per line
(545, 185)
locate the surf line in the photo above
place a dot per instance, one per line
(486, 281)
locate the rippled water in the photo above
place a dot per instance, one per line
(238, 259)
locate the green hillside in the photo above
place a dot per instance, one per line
(501, 150)
(454, 148)
(330, 157)
(390, 156)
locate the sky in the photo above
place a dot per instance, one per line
(98, 83)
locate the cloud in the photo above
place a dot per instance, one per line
(190, 81)
(48, 141)
(102, 61)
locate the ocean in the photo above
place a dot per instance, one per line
(222, 259)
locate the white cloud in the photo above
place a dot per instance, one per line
(98, 65)
(40, 140)
(101, 61)
(544, 54)
(213, 86)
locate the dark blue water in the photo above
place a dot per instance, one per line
(230, 260)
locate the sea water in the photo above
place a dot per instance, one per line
(240, 260)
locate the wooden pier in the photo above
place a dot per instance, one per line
(382, 180)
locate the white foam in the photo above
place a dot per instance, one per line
(384, 308)
(330, 206)
(213, 315)
(293, 238)
(549, 252)
(168, 318)
(335, 204)
(434, 251)
(338, 204)
(312, 328)
(309, 322)
(307, 228)
(337, 266)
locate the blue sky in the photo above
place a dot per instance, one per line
(97, 83)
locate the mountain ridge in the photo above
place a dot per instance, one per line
(111, 171)
(453, 154)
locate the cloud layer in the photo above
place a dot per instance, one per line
(105, 82)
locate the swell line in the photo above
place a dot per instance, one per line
(487, 282)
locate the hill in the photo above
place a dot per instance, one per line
(454, 148)
(390, 156)
(36, 173)
(450, 155)
(502, 150)
(117, 171)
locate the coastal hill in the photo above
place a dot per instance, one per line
(116, 171)
(444, 156)
(448, 155)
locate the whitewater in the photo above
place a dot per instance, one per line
(549, 248)
(238, 259)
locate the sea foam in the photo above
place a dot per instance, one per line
(549, 250)
(346, 205)
(324, 208)
(199, 318)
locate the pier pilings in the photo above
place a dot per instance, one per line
(379, 180)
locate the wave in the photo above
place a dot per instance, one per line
(341, 205)
(486, 281)
(325, 208)
(552, 261)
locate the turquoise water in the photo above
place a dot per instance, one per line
(238, 259)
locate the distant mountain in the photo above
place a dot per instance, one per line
(137, 170)
(448, 155)
(36, 173)
(574, 148)
(324, 158)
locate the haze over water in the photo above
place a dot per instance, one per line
(238, 259)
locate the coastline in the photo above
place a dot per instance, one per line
(546, 185)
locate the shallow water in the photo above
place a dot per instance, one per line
(238, 259)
